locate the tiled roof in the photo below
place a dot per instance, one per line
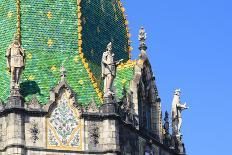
(125, 73)
(62, 32)
(8, 22)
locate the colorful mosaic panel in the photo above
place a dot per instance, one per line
(49, 36)
(8, 27)
(125, 74)
(64, 126)
(102, 22)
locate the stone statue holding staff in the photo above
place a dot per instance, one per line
(109, 70)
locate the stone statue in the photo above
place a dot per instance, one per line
(109, 70)
(15, 56)
(177, 108)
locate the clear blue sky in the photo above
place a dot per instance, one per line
(190, 47)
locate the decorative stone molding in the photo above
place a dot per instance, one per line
(34, 104)
(126, 109)
(144, 89)
(34, 130)
(55, 92)
(92, 107)
(64, 126)
(94, 134)
(166, 135)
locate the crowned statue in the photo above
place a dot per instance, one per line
(15, 56)
(177, 108)
(109, 70)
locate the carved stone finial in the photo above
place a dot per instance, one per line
(142, 47)
(167, 139)
(142, 39)
(62, 73)
(166, 122)
(109, 71)
(15, 56)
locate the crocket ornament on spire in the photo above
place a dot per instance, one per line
(15, 56)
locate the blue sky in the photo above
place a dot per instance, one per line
(190, 47)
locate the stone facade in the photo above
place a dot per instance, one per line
(64, 127)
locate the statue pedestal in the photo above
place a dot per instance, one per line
(109, 99)
(107, 108)
(15, 128)
(15, 100)
(109, 105)
(179, 145)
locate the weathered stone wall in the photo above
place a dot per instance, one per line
(102, 135)
(135, 142)
(35, 131)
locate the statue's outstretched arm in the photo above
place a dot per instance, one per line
(182, 106)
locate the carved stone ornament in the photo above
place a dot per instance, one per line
(94, 134)
(56, 91)
(34, 104)
(34, 130)
(166, 135)
(92, 107)
(142, 47)
(126, 109)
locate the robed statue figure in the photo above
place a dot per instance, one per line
(109, 70)
(15, 62)
(177, 108)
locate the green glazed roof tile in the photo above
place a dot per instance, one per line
(49, 34)
(124, 76)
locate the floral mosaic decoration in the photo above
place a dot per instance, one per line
(64, 126)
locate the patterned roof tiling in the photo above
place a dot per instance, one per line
(49, 34)
(103, 21)
(125, 73)
(69, 32)
(8, 27)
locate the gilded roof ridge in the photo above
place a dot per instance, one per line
(129, 63)
(126, 22)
